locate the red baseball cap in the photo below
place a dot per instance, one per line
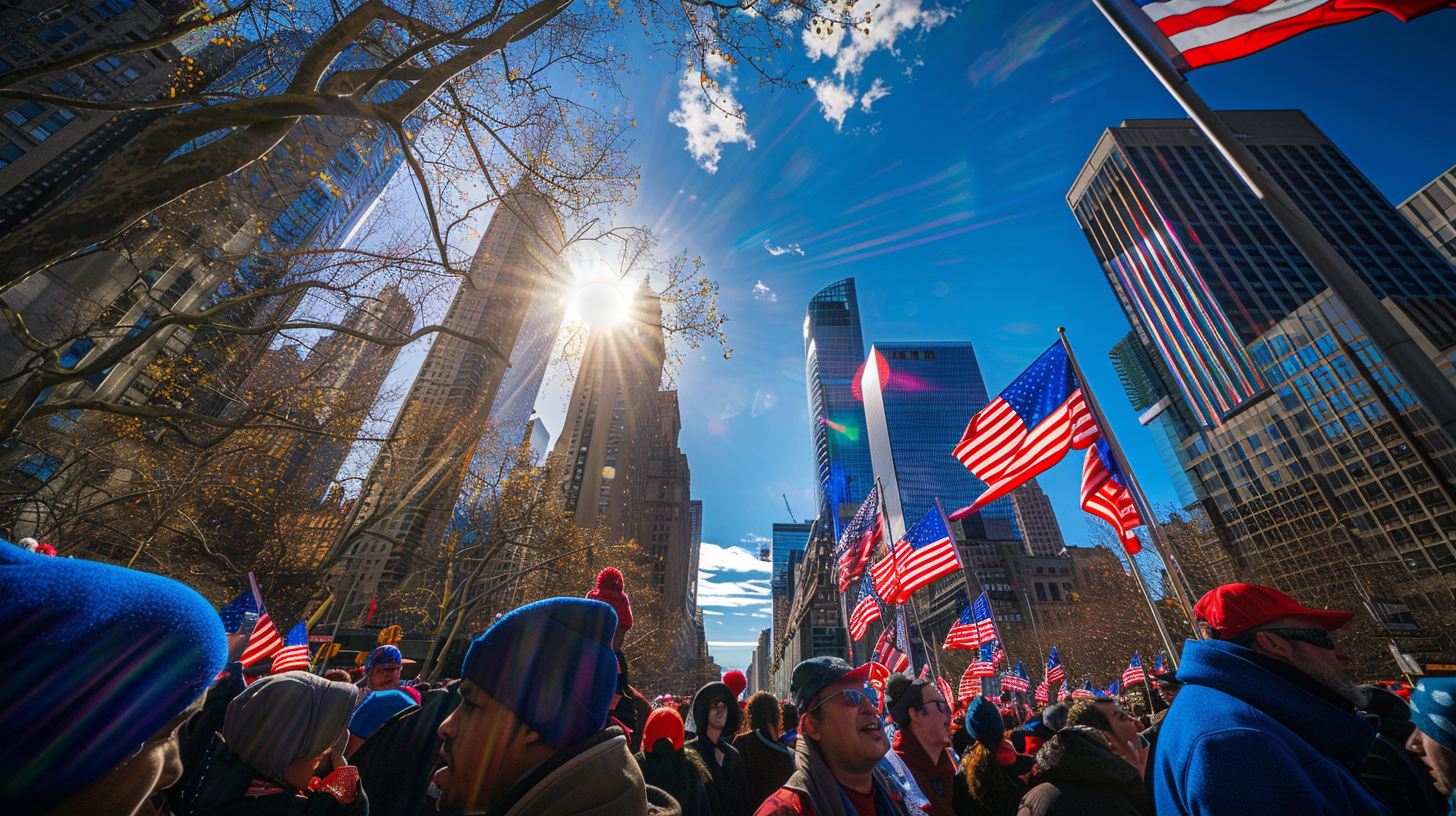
(1232, 609)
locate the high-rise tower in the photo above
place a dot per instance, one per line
(1038, 521)
(833, 354)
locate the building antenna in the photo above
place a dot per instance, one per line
(790, 509)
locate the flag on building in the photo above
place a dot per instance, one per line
(1205, 32)
(1043, 691)
(886, 575)
(970, 685)
(1054, 670)
(1105, 494)
(925, 554)
(263, 642)
(1016, 680)
(238, 608)
(1027, 428)
(294, 653)
(1086, 692)
(866, 610)
(1134, 671)
(975, 626)
(858, 541)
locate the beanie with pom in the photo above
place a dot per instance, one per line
(736, 682)
(611, 591)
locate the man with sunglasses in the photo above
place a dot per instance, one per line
(841, 741)
(922, 739)
(1267, 722)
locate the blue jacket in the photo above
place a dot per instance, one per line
(1243, 740)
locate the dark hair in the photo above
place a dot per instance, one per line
(901, 695)
(1090, 714)
(337, 675)
(763, 714)
(623, 683)
(987, 783)
(789, 715)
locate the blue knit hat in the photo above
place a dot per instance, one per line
(376, 708)
(98, 659)
(386, 655)
(1433, 709)
(551, 663)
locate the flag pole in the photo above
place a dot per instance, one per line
(973, 594)
(1429, 385)
(1145, 510)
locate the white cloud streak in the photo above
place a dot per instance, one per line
(708, 122)
(788, 249)
(850, 49)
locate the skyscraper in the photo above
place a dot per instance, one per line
(834, 352)
(412, 490)
(917, 402)
(789, 541)
(1189, 251)
(1037, 521)
(1432, 209)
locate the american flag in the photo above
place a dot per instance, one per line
(1043, 691)
(887, 655)
(926, 553)
(866, 610)
(1158, 664)
(1054, 670)
(1016, 680)
(859, 540)
(902, 636)
(945, 690)
(1112, 690)
(886, 575)
(264, 641)
(985, 663)
(1213, 31)
(1066, 692)
(1086, 692)
(1134, 671)
(1105, 495)
(294, 654)
(975, 626)
(238, 608)
(970, 685)
(1027, 428)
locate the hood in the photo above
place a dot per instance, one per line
(914, 754)
(1276, 692)
(1080, 754)
(705, 698)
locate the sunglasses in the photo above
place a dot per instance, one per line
(1315, 637)
(940, 705)
(852, 698)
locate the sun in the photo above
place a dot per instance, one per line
(599, 302)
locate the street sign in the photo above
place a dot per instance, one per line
(320, 638)
(1441, 667)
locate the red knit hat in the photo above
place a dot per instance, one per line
(663, 723)
(736, 682)
(611, 591)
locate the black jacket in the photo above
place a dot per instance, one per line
(767, 764)
(681, 774)
(728, 792)
(398, 763)
(1396, 776)
(963, 804)
(1078, 775)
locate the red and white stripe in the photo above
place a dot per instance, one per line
(291, 658)
(264, 642)
(922, 567)
(970, 685)
(961, 636)
(1132, 674)
(865, 613)
(999, 449)
(1110, 501)
(1013, 682)
(886, 575)
(1043, 691)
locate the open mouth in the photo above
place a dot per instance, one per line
(873, 728)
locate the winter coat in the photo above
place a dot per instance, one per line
(767, 764)
(681, 774)
(1077, 774)
(728, 792)
(1251, 735)
(398, 764)
(813, 790)
(962, 803)
(597, 775)
(935, 780)
(224, 785)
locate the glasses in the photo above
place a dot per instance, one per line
(852, 698)
(1315, 637)
(940, 705)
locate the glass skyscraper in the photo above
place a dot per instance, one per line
(789, 542)
(833, 353)
(1196, 260)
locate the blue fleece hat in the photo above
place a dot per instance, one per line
(386, 655)
(376, 708)
(97, 659)
(1433, 709)
(551, 663)
(984, 723)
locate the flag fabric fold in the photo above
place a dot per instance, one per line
(858, 541)
(886, 575)
(264, 642)
(1086, 692)
(1105, 494)
(232, 615)
(887, 655)
(1134, 672)
(866, 609)
(293, 655)
(1016, 680)
(1054, 670)
(925, 554)
(975, 626)
(1043, 691)
(945, 690)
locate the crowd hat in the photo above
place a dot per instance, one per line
(387, 655)
(376, 709)
(611, 590)
(551, 664)
(736, 682)
(1232, 609)
(663, 724)
(98, 659)
(1433, 709)
(815, 674)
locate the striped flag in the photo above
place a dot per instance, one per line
(294, 654)
(887, 655)
(1066, 692)
(1086, 692)
(1105, 495)
(1206, 32)
(902, 636)
(860, 539)
(1016, 680)
(945, 690)
(264, 641)
(1134, 671)
(866, 610)
(970, 685)
(1054, 670)
(237, 609)
(1043, 691)
(925, 554)
(975, 626)
(985, 663)
(1112, 690)
(886, 575)
(1027, 428)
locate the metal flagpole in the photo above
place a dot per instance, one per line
(1431, 388)
(979, 590)
(1145, 510)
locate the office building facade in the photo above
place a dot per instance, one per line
(789, 542)
(1432, 211)
(834, 353)
(1037, 521)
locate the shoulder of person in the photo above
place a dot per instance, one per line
(786, 802)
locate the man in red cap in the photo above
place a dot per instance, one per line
(1267, 721)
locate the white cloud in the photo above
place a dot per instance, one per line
(712, 612)
(732, 578)
(753, 539)
(709, 122)
(876, 92)
(834, 99)
(788, 249)
(849, 49)
(763, 293)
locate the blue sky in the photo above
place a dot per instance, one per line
(945, 199)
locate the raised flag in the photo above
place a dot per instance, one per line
(902, 636)
(1016, 680)
(294, 654)
(1134, 671)
(1027, 428)
(1066, 692)
(1158, 664)
(926, 553)
(985, 663)
(1086, 692)
(866, 609)
(1205, 32)
(1105, 495)
(945, 690)
(1112, 690)
(886, 575)
(970, 685)
(858, 541)
(263, 642)
(1054, 670)
(238, 608)
(975, 626)
(887, 655)
(1043, 691)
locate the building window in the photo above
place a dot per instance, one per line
(24, 112)
(9, 153)
(57, 32)
(40, 466)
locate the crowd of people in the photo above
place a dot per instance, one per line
(122, 700)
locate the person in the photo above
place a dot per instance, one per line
(337, 675)
(666, 765)
(1077, 773)
(530, 735)
(1394, 774)
(841, 743)
(611, 589)
(716, 718)
(922, 737)
(990, 781)
(1265, 702)
(629, 708)
(789, 716)
(1119, 728)
(378, 707)
(103, 664)
(1433, 710)
(397, 764)
(381, 671)
(1167, 686)
(766, 763)
(281, 751)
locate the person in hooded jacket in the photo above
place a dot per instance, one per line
(397, 763)
(1395, 775)
(666, 765)
(767, 763)
(1077, 774)
(716, 720)
(922, 737)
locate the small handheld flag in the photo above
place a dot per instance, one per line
(1054, 670)
(1134, 671)
(1086, 692)
(263, 642)
(1043, 691)
(1016, 680)
(238, 608)
(866, 610)
(859, 540)
(975, 626)
(925, 554)
(294, 654)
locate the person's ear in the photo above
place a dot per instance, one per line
(809, 727)
(1272, 645)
